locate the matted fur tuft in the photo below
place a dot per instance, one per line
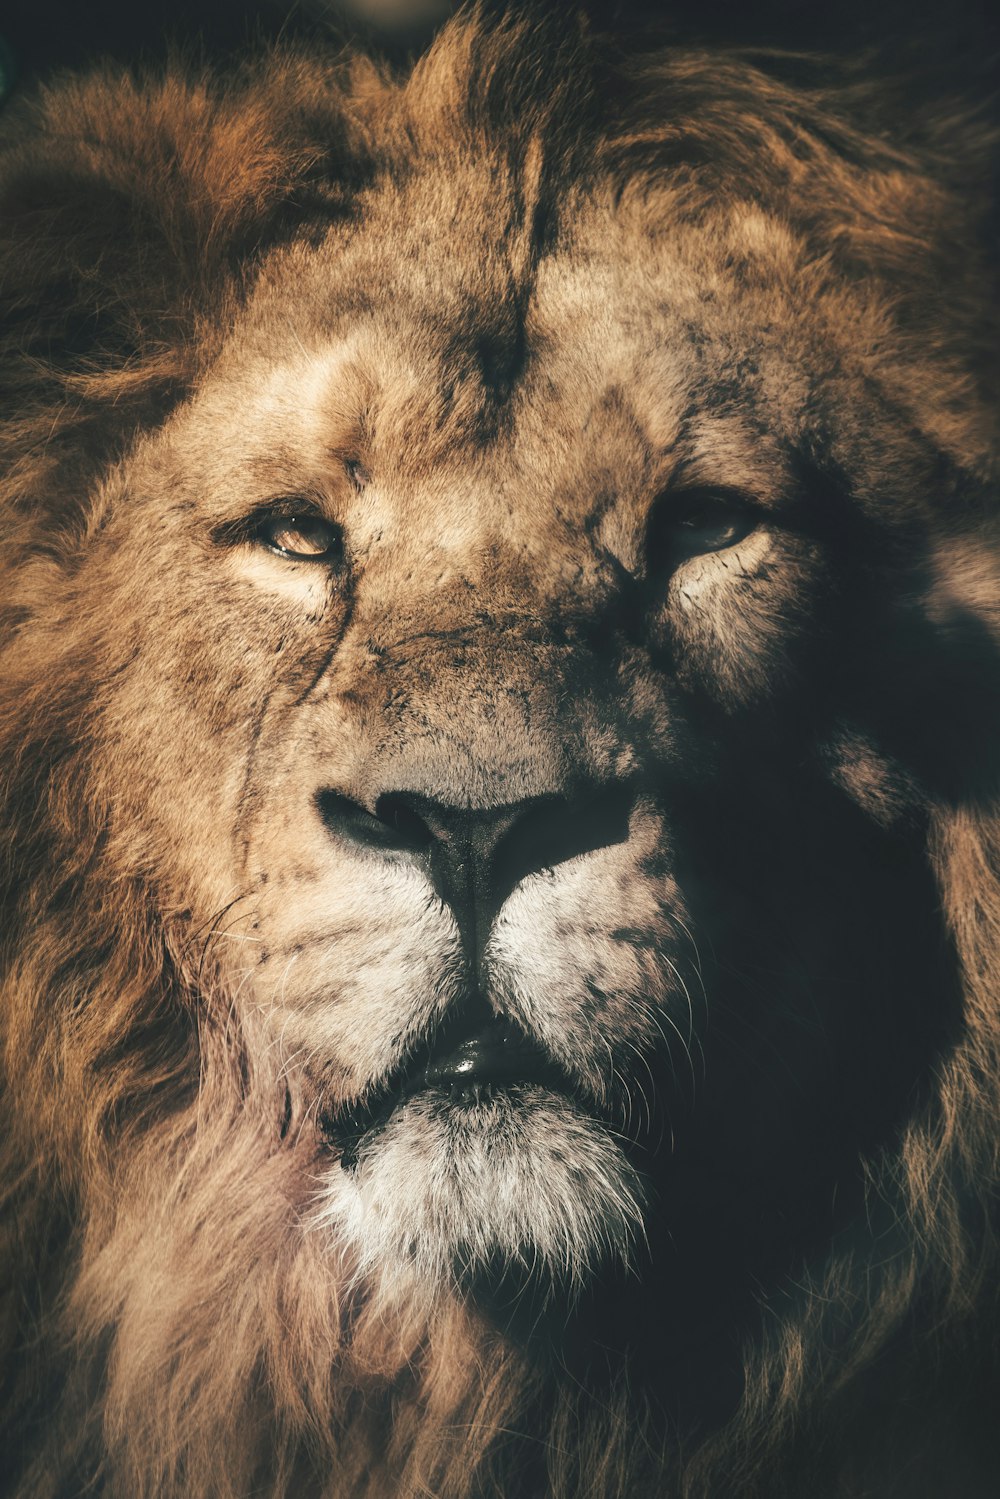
(167, 1327)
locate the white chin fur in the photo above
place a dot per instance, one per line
(526, 1178)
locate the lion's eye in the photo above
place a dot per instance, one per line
(694, 521)
(304, 538)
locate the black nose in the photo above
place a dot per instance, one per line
(477, 856)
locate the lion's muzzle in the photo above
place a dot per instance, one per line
(477, 856)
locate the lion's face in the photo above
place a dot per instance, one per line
(500, 840)
(482, 637)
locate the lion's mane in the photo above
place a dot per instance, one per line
(148, 1343)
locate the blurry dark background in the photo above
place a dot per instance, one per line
(953, 35)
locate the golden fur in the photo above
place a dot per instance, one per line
(790, 271)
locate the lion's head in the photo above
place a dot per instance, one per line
(501, 664)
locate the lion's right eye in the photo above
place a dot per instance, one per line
(303, 538)
(695, 521)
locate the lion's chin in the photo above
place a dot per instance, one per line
(448, 1188)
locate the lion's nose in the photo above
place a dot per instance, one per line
(477, 856)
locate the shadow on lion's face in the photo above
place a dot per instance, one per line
(526, 651)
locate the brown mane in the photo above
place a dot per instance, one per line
(135, 212)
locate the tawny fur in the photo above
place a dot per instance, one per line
(178, 1318)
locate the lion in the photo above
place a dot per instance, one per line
(500, 674)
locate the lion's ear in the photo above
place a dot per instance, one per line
(127, 207)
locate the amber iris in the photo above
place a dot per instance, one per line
(305, 538)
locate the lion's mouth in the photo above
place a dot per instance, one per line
(467, 1063)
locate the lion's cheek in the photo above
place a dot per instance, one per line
(356, 958)
(736, 622)
(594, 958)
(174, 805)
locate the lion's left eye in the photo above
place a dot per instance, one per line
(304, 538)
(695, 521)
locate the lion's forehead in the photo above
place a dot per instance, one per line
(615, 355)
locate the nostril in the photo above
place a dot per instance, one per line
(477, 856)
(551, 832)
(392, 825)
(394, 811)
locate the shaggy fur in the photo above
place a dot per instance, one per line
(647, 401)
